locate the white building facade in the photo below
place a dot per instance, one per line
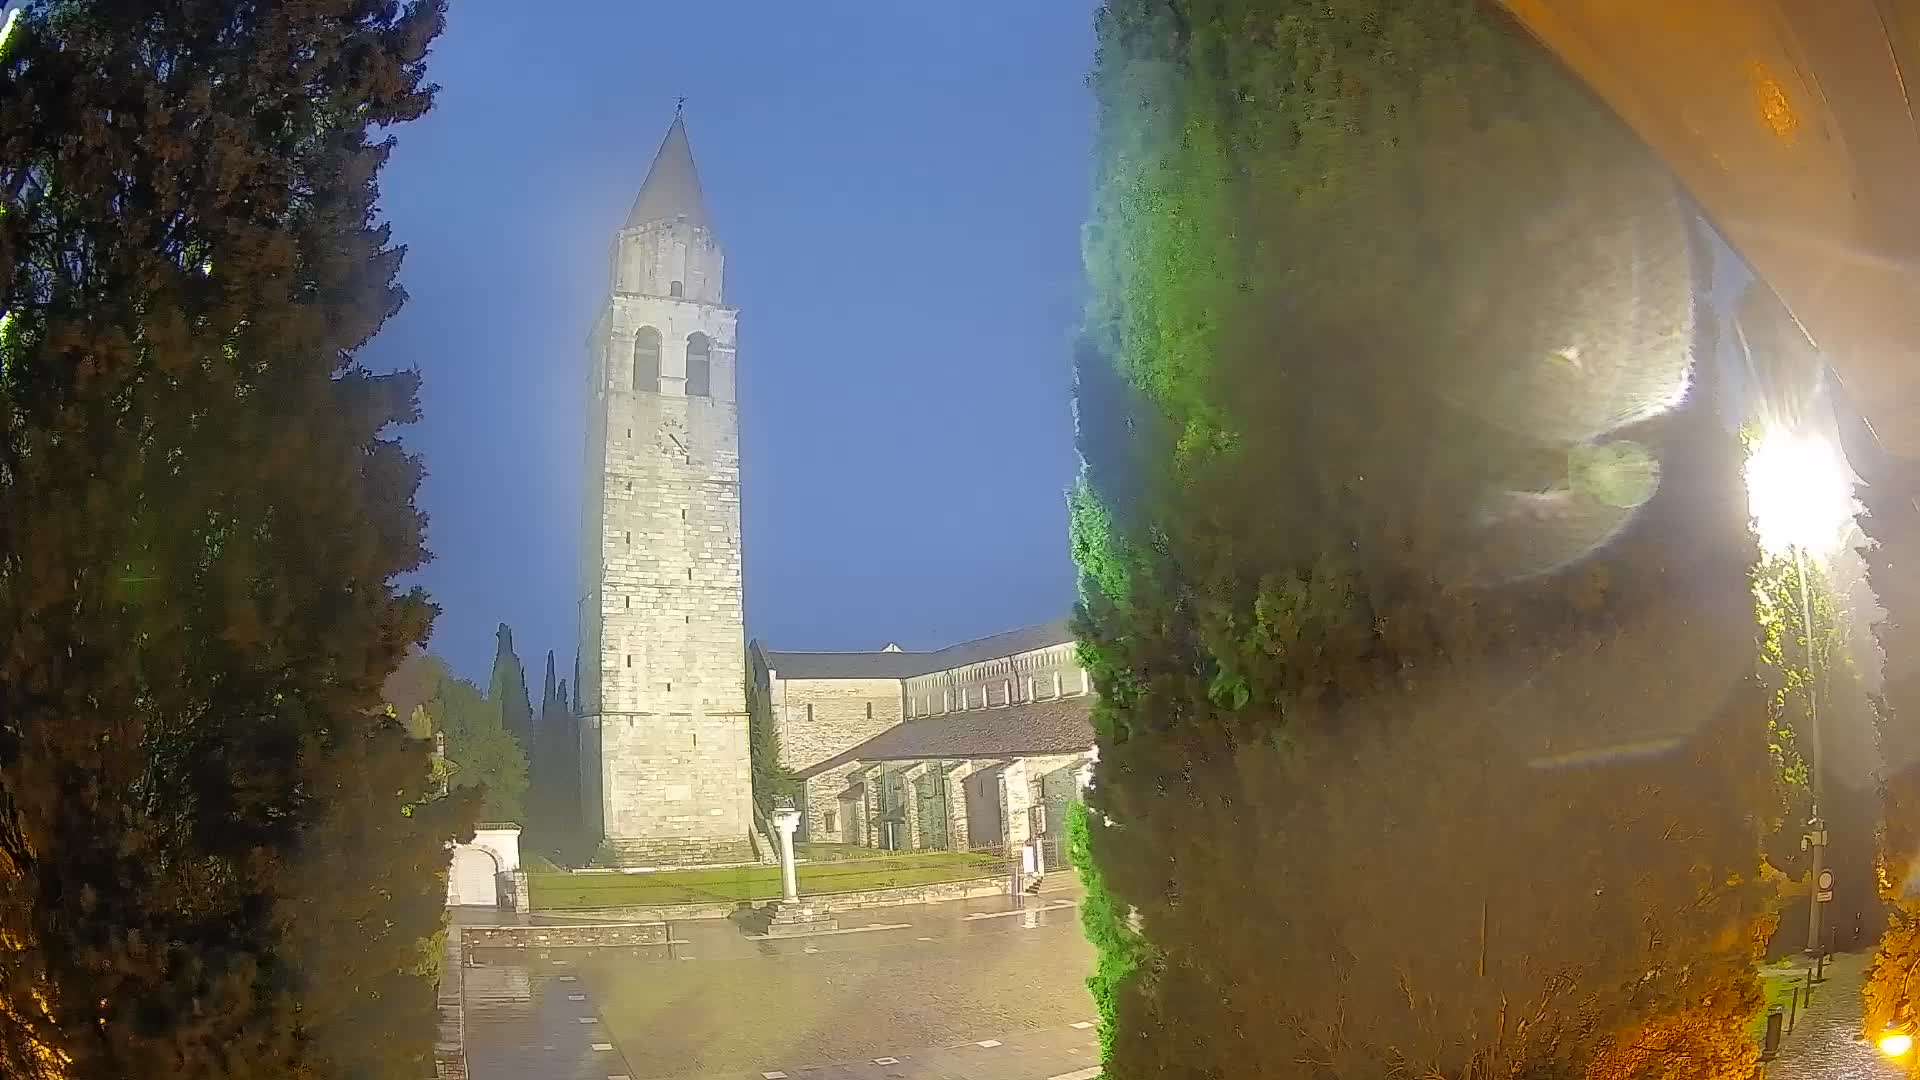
(978, 746)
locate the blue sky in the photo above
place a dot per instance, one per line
(900, 189)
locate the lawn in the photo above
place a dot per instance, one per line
(1776, 985)
(814, 852)
(552, 891)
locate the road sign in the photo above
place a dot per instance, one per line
(1823, 895)
(1826, 881)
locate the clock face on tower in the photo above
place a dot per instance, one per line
(673, 440)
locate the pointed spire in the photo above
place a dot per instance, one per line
(672, 190)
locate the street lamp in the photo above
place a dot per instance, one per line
(1800, 495)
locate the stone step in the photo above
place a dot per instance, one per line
(788, 918)
(683, 851)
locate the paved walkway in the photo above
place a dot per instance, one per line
(1826, 1042)
(989, 989)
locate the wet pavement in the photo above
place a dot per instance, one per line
(991, 989)
(1826, 1042)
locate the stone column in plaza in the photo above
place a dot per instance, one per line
(785, 821)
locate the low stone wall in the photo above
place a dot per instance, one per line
(684, 851)
(829, 903)
(661, 913)
(450, 1040)
(597, 935)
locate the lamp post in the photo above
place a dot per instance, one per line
(1818, 898)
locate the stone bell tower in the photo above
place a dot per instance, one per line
(663, 755)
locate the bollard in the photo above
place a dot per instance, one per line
(1776, 1018)
(1793, 1011)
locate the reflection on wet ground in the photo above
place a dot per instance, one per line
(1826, 1042)
(970, 990)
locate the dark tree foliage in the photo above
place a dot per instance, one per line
(553, 799)
(480, 752)
(1118, 949)
(508, 688)
(1429, 738)
(1892, 992)
(215, 857)
(772, 781)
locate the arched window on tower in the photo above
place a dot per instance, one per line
(646, 360)
(676, 289)
(699, 366)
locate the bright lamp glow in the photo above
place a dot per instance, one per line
(1896, 1044)
(1800, 493)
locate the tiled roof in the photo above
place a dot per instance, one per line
(1025, 639)
(1060, 726)
(845, 665)
(905, 665)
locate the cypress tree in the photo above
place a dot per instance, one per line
(1893, 522)
(1417, 594)
(508, 689)
(552, 797)
(218, 860)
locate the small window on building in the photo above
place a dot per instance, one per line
(626, 601)
(676, 289)
(629, 659)
(809, 712)
(869, 710)
(646, 361)
(699, 366)
(629, 538)
(829, 822)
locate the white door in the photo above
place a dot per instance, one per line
(473, 879)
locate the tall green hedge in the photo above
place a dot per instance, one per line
(1892, 990)
(1118, 950)
(1414, 568)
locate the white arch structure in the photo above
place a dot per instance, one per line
(481, 871)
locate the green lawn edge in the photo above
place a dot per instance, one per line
(564, 891)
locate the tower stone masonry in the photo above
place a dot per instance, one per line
(664, 758)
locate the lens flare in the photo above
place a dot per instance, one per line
(1800, 493)
(1896, 1044)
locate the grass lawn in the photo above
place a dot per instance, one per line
(838, 852)
(563, 891)
(1776, 985)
